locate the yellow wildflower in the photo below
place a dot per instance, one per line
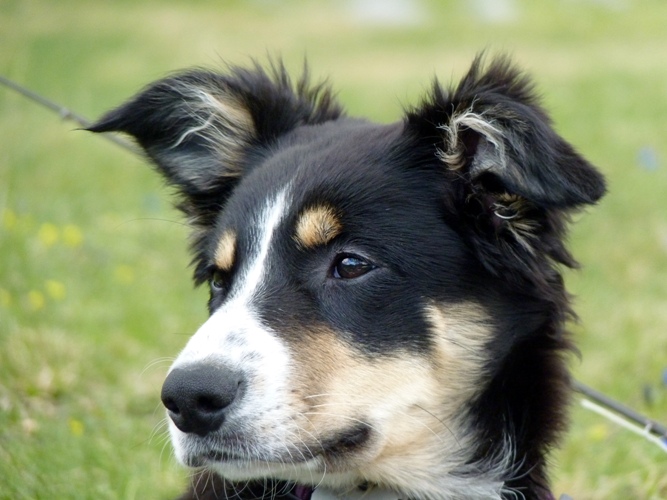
(55, 289)
(598, 432)
(36, 300)
(5, 298)
(9, 219)
(72, 236)
(48, 234)
(124, 274)
(76, 427)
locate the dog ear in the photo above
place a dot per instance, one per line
(200, 128)
(515, 178)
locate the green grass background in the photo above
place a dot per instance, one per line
(95, 295)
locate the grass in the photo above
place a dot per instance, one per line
(94, 285)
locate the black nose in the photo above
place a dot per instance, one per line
(197, 397)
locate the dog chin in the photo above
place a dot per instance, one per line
(195, 452)
(235, 468)
(258, 470)
(356, 448)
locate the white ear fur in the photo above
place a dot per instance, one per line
(455, 154)
(217, 123)
(213, 117)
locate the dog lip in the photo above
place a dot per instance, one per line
(350, 440)
(227, 456)
(234, 449)
(222, 456)
(210, 453)
(206, 457)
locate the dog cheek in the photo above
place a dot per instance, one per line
(462, 333)
(339, 386)
(318, 359)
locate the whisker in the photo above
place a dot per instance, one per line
(412, 417)
(371, 426)
(451, 432)
(157, 362)
(165, 445)
(319, 443)
(157, 428)
(158, 408)
(158, 219)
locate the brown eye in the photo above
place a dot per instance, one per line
(218, 281)
(350, 266)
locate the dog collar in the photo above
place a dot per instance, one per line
(301, 492)
(307, 493)
(376, 494)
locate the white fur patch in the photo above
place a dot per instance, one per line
(234, 337)
(251, 279)
(455, 153)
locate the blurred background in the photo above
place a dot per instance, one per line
(95, 291)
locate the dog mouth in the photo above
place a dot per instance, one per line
(238, 451)
(213, 451)
(218, 457)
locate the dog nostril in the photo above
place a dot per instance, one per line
(209, 404)
(171, 405)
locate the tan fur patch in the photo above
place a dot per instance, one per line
(225, 252)
(461, 332)
(413, 402)
(513, 210)
(221, 120)
(317, 226)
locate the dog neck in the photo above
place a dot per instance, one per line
(306, 493)
(359, 493)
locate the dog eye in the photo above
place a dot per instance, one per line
(218, 282)
(348, 267)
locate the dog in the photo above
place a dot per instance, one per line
(387, 308)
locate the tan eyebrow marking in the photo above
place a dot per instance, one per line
(317, 226)
(225, 252)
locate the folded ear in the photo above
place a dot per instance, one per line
(517, 178)
(199, 127)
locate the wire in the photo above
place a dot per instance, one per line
(63, 112)
(650, 425)
(645, 432)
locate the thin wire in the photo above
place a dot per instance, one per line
(630, 414)
(645, 432)
(64, 113)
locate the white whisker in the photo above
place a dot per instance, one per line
(157, 362)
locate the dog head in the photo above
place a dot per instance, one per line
(385, 301)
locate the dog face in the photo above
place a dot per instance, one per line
(332, 311)
(385, 306)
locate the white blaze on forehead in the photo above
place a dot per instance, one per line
(234, 331)
(266, 224)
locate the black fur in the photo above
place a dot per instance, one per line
(467, 197)
(158, 116)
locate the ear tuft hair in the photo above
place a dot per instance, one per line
(517, 178)
(204, 131)
(197, 126)
(192, 126)
(492, 124)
